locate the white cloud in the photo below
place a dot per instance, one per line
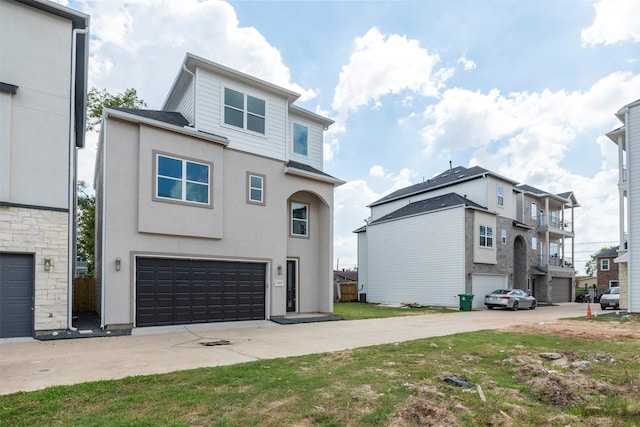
(468, 64)
(377, 171)
(386, 64)
(615, 21)
(141, 43)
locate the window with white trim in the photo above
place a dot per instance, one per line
(255, 188)
(504, 237)
(534, 210)
(534, 243)
(299, 219)
(604, 264)
(614, 283)
(486, 236)
(500, 194)
(300, 139)
(244, 111)
(182, 180)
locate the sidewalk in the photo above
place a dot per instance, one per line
(32, 365)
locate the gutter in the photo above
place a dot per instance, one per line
(72, 177)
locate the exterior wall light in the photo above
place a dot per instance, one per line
(118, 264)
(47, 263)
(279, 270)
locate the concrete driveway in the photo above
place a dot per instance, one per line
(31, 365)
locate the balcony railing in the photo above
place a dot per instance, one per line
(554, 261)
(556, 223)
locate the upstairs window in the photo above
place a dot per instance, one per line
(604, 264)
(486, 236)
(182, 180)
(244, 111)
(255, 188)
(500, 195)
(534, 211)
(300, 135)
(299, 219)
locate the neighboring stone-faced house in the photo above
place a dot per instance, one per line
(627, 137)
(43, 65)
(607, 270)
(467, 230)
(214, 208)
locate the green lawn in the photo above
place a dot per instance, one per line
(397, 384)
(357, 311)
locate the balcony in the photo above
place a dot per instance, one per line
(555, 262)
(555, 224)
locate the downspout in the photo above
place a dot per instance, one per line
(72, 177)
(193, 78)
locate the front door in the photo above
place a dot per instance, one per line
(292, 284)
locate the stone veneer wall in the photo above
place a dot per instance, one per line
(43, 233)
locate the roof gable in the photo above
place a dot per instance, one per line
(429, 205)
(449, 177)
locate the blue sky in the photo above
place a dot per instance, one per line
(526, 89)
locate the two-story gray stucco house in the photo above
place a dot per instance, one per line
(43, 68)
(467, 230)
(214, 208)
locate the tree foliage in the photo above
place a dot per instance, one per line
(97, 99)
(86, 226)
(591, 266)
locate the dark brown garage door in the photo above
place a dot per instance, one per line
(177, 291)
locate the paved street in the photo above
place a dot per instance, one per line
(30, 364)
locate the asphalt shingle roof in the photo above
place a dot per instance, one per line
(307, 168)
(432, 204)
(448, 177)
(611, 253)
(170, 117)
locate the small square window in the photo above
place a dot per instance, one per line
(299, 219)
(604, 264)
(255, 188)
(300, 135)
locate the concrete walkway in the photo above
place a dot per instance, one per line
(30, 364)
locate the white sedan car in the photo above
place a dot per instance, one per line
(510, 298)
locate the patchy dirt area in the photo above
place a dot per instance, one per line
(593, 330)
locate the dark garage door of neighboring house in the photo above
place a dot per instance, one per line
(16, 295)
(560, 290)
(182, 291)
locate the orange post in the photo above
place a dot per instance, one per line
(588, 310)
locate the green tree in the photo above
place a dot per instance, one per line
(97, 99)
(591, 266)
(86, 226)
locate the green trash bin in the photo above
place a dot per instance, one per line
(466, 301)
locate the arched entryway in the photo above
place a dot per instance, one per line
(520, 264)
(309, 274)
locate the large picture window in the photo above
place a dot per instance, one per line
(244, 111)
(486, 236)
(182, 180)
(300, 135)
(299, 219)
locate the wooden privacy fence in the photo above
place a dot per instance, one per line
(348, 291)
(84, 294)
